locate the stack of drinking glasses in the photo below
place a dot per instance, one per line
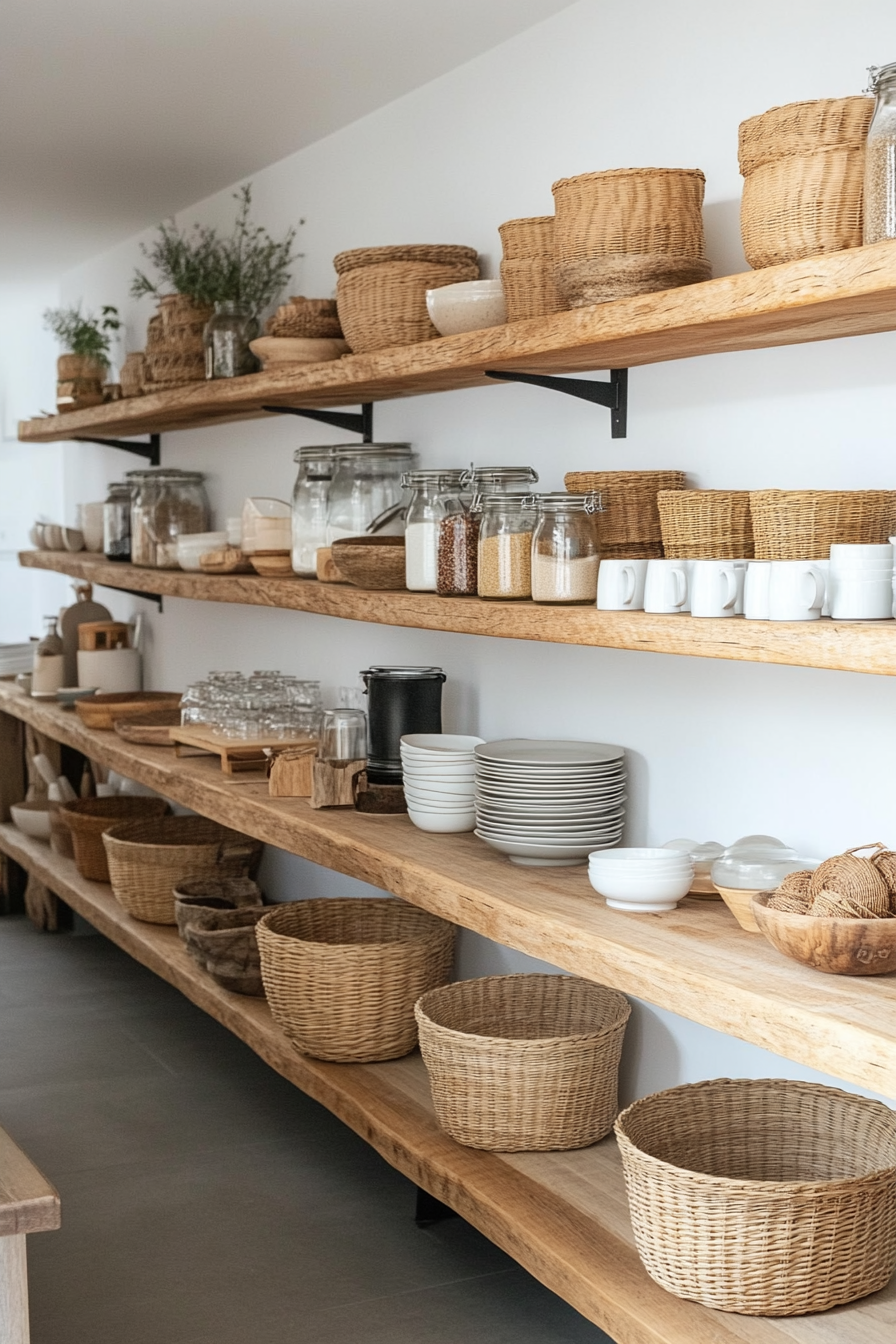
(265, 704)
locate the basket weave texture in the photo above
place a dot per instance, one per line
(308, 319)
(523, 1063)
(133, 374)
(762, 1196)
(87, 818)
(175, 351)
(706, 524)
(530, 289)
(342, 975)
(384, 305)
(446, 254)
(804, 524)
(800, 128)
(527, 239)
(148, 859)
(629, 525)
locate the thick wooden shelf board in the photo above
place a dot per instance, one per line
(563, 1216)
(28, 1202)
(850, 293)
(694, 961)
(844, 647)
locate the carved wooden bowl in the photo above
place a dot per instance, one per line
(371, 562)
(838, 946)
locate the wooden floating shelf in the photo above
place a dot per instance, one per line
(694, 961)
(851, 647)
(563, 1216)
(850, 293)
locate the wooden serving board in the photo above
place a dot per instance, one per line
(235, 753)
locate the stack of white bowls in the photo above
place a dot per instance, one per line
(549, 803)
(438, 772)
(645, 881)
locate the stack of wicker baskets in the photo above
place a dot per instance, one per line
(175, 351)
(381, 291)
(803, 167)
(309, 319)
(527, 268)
(629, 524)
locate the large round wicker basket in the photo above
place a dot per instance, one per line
(384, 304)
(523, 1063)
(762, 1196)
(87, 818)
(342, 975)
(804, 524)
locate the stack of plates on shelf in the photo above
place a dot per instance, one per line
(545, 803)
(437, 772)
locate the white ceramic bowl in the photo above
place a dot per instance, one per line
(454, 773)
(470, 306)
(53, 537)
(445, 823)
(196, 544)
(446, 789)
(641, 869)
(32, 819)
(428, 742)
(643, 891)
(72, 538)
(435, 802)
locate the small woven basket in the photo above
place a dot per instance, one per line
(384, 305)
(342, 975)
(530, 289)
(445, 254)
(527, 239)
(87, 818)
(804, 524)
(800, 128)
(132, 374)
(629, 525)
(762, 1196)
(307, 319)
(706, 524)
(523, 1063)
(148, 859)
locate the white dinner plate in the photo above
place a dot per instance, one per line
(549, 752)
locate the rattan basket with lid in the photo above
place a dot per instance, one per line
(706, 524)
(804, 524)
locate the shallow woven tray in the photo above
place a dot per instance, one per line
(804, 524)
(449, 254)
(523, 1063)
(630, 521)
(706, 524)
(762, 1196)
(87, 818)
(384, 305)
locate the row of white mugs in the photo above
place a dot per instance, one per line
(856, 584)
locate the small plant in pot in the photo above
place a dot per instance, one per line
(86, 338)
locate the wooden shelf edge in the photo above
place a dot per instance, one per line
(826, 645)
(28, 1202)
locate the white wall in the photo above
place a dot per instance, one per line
(716, 749)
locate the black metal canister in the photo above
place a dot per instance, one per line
(399, 700)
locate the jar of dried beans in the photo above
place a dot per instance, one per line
(879, 207)
(505, 545)
(458, 545)
(564, 548)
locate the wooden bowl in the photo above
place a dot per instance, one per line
(740, 903)
(837, 946)
(101, 711)
(152, 728)
(272, 564)
(371, 562)
(275, 350)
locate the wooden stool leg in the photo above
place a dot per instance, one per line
(13, 1291)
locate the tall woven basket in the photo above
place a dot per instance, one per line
(381, 291)
(527, 268)
(87, 818)
(342, 975)
(762, 1196)
(523, 1063)
(803, 167)
(629, 526)
(706, 524)
(148, 859)
(804, 524)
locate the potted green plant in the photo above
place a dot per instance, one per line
(185, 263)
(85, 337)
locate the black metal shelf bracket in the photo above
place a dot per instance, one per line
(353, 421)
(133, 592)
(150, 448)
(613, 394)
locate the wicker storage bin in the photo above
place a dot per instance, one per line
(527, 239)
(803, 167)
(342, 975)
(148, 859)
(523, 1063)
(762, 1196)
(307, 319)
(445, 254)
(217, 926)
(384, 305)
(89, 817)
(629, 525)
(803, 524)
(706, 524)
(530, 289)
(628, 231)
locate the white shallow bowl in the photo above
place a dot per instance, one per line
(445, 823)
(657, 891)
(627, 854)
(642, 867)
(31, 819)
(471, 305)
(423, 803)
(72, 538)
(548, 752)
(442, 788)
(439, 742)
(446, 766)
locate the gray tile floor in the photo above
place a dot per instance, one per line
(207, 1201)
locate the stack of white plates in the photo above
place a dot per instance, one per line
(438, 772)
(545, 803)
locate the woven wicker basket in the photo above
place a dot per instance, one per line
(762, 1196)
(803, 524)
(178, 311)
(384, 305)
(706, 524)
(148, 859)
(342, 975)
(444, 254)
(133, 374)
(628, 231)
(630, 522)
(530, 289)
(87, 818)
(800, 128)
(527, 239)
(523, 1063)
(309, 319)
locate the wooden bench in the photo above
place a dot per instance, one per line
(28, 1203)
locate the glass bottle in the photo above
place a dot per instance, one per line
(48, 672)
(227, 335)
(366, 483)
(564, 549)
(879, 203)
(117, 522)
(421, 534)
(504, 559)
(310, 498)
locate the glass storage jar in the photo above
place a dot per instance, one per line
(366, 483)
(504, 558)
(310, 497)
(564, 548)
(879, 205)
(117, 522)
(458, 544)
(343, 735)
(421, 533)
(166, 504)
(227, 335)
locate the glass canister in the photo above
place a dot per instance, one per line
(117, 522)
(166, 504)
(456, 566)
(504, 556)
(564, 548)
(879, 205)
(343, 735)
(310, 498)
(227, 335)
(366, 482)
(426, 508)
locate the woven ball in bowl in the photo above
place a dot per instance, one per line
(852, 878)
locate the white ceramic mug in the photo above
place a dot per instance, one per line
(110, 670)
(666, 586)
(756, 590)
(796, 590)
(861, 599)
(848, 556)
(620, 585)
(714, 588)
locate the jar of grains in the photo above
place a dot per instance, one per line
(310, 499)
(167, 504)
(459, 528)
(879, 208)
(425, 511)
(564, 548)
(504, 558)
